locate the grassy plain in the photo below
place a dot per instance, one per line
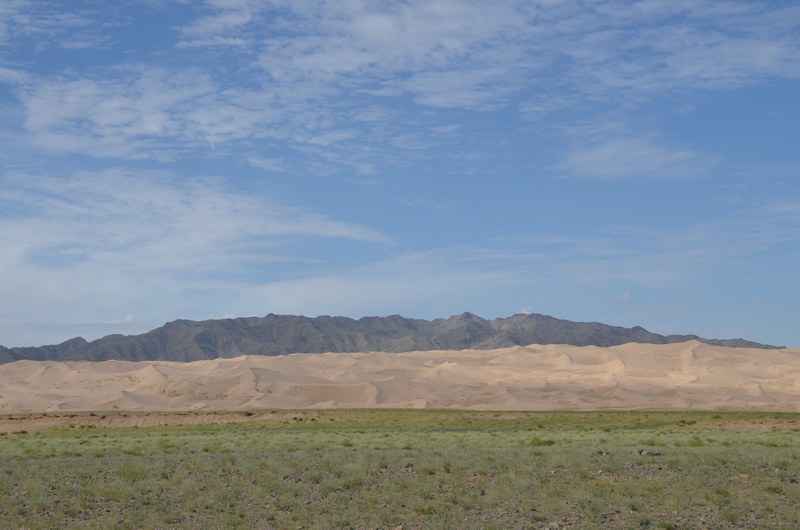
(415, 468)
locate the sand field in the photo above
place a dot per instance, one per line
(683, 376)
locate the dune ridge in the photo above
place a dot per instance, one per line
(688, 375)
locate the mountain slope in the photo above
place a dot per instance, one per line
(187, 340)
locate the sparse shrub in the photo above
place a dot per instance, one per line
(464, 470)
(132, 472)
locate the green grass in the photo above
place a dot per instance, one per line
(432, 469)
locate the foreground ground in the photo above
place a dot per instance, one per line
(410, 468)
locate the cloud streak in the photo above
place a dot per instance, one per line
(633, 159)
(79, 239)
(299, 72)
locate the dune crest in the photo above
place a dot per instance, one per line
(689, 375)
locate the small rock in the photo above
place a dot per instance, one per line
(646, 452)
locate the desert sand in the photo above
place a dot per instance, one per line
(683, 376)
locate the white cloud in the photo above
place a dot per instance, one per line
(214, 41)
(273, 165)
(122, 207)
(297, 73)
(633, 158)
(331, 137)
(140, 112)
(428, 49)
(118, 117)
(91, 242)
(122, 243)
(11, 76)
(624, 298)
(508, 274)
(479, 89)
(420, 284)
(222, 20)
(784, 209)
(630, 53)
(46, 24)
(428, 204)
(10, 12)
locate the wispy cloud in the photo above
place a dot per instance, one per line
(786, 208)
(46, 24)
(11, 76)
(633, 158)
(429, 50)
(298, 73)
(631, 52)
(224, 23)
(145, 213)
(418, 284)
(141, 112)
(541, 270)
(136, 234)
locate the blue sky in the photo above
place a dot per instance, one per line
(633, 163)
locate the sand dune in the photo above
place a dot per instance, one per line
(689, 375)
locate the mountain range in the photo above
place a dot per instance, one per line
(187, 340)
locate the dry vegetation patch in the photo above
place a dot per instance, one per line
(415, 468)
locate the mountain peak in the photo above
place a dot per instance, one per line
(466, 316)
(187, 340)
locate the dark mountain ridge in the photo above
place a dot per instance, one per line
(187, 340)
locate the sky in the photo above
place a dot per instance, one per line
(625, 162)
